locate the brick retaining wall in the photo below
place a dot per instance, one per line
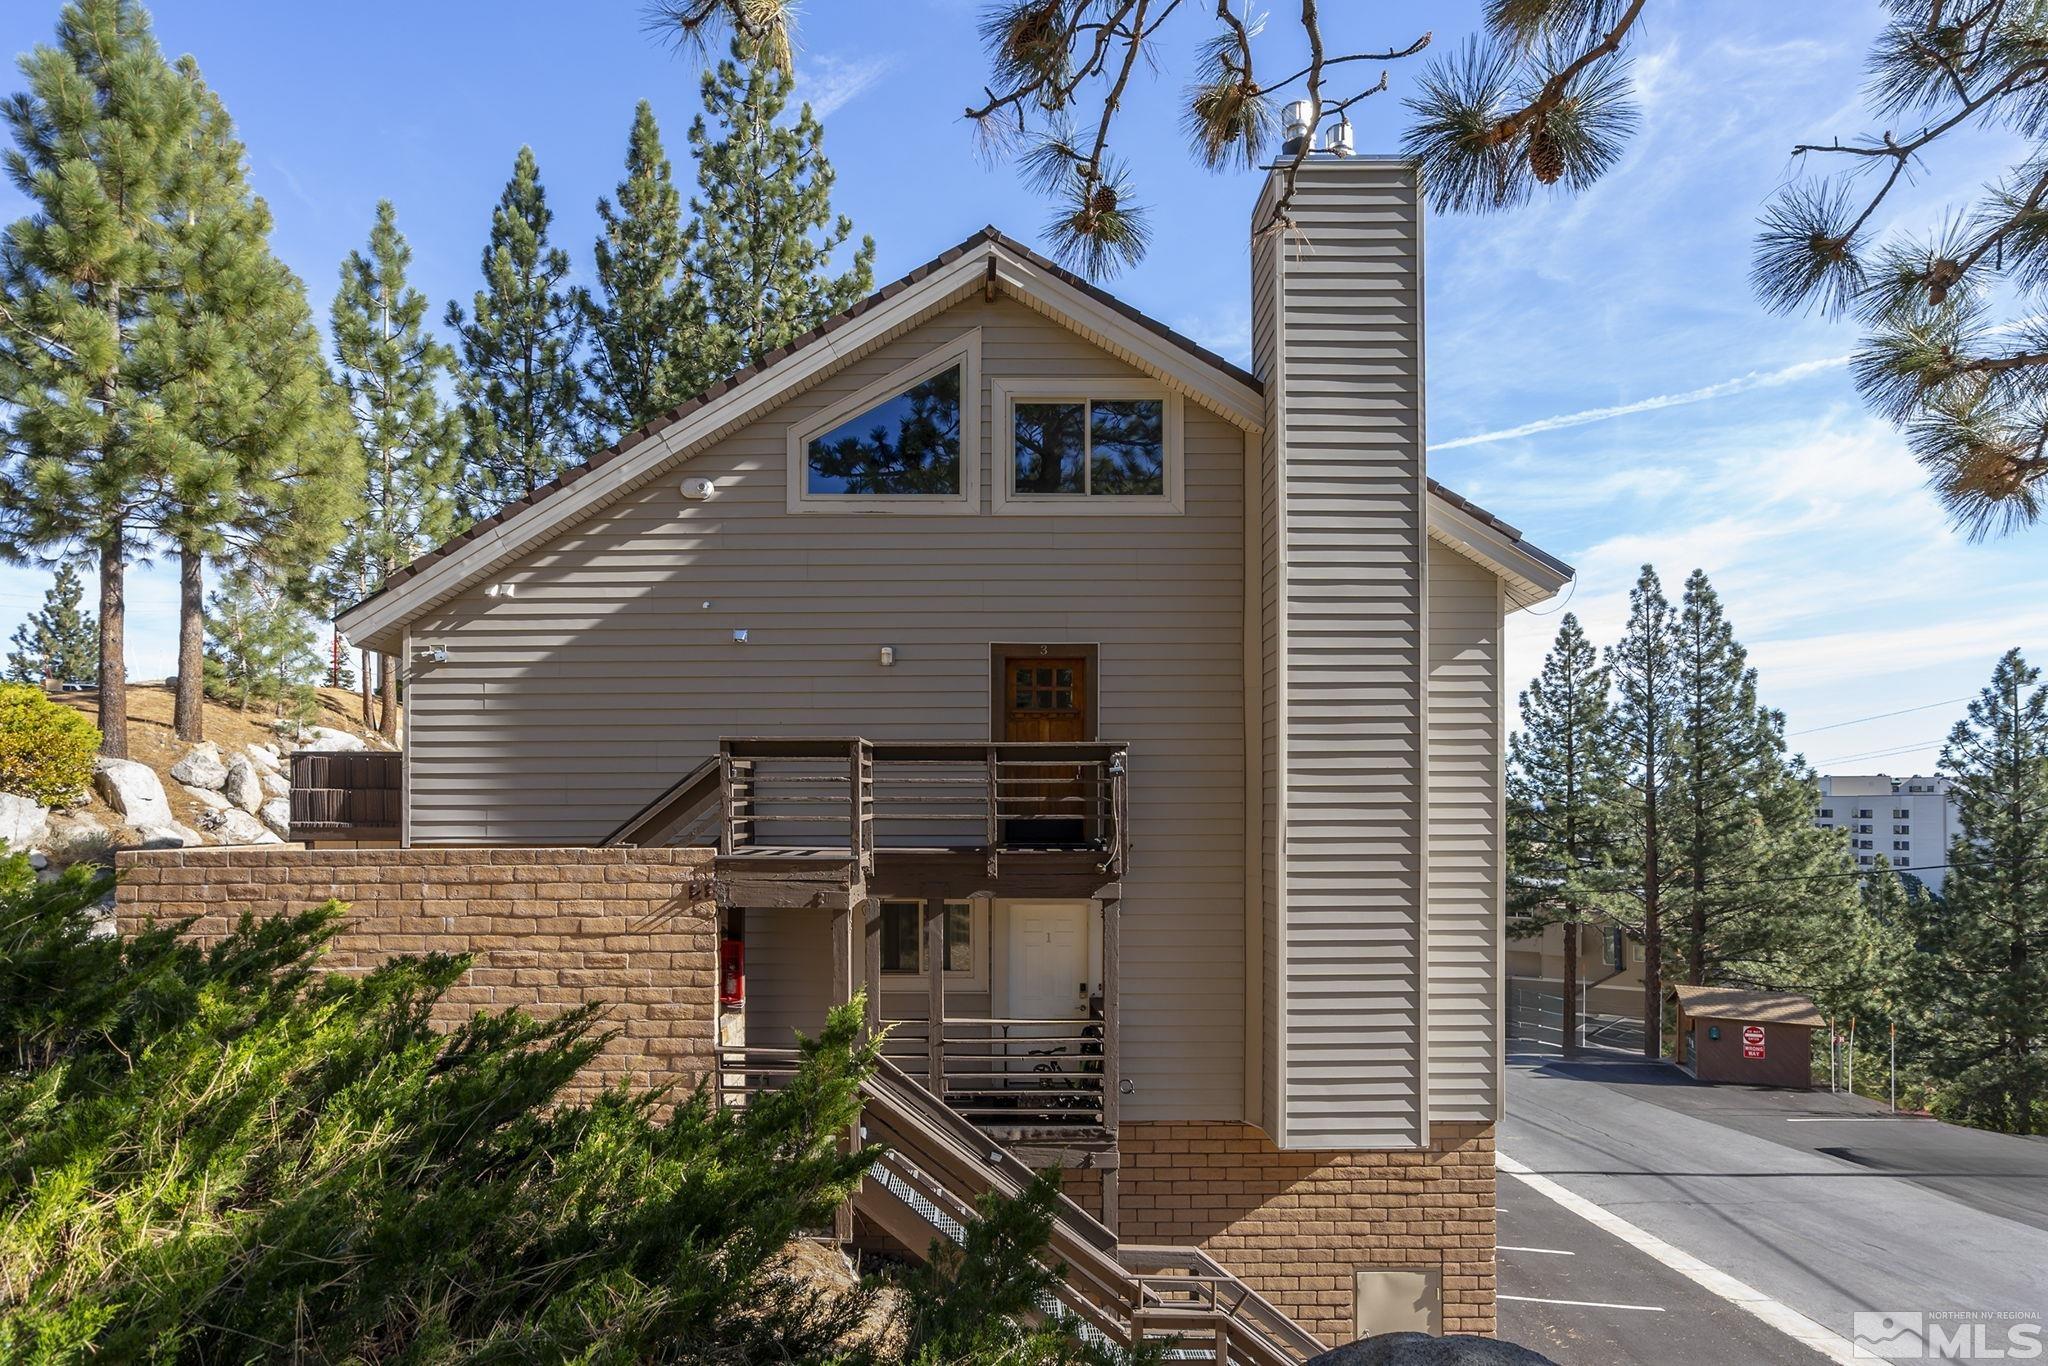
(1296, 1226)
(550, 929)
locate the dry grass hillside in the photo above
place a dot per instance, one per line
(151, 742)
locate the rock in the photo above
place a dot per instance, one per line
(277, 785)
(239, 827)
(266, 756)
(169, 835)
(211, 800)
(242, 787)
(1420, 1349)
(133, 790)
(39, 861)
(201, 767)
(23, 823)
(328, 738)
(277, 814)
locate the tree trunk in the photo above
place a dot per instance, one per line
(387, 697)
(188, 719)
(1653, 936)
(1571, 988)
(113, 658)
(363, 682)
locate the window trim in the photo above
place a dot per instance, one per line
(963, 351)
(974, 978)
(1008, 391)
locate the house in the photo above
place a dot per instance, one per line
(1751, 1038)
(1128, 724)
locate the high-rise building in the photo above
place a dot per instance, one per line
(1911, 821)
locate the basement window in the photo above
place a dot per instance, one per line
(1087, 446)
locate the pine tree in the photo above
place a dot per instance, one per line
(391, 369)
(339, 674)
(521, 393)
(766, 231)
(97, 135)
(1646, 723)
(1980, 985)
(1854, 962)
(259, 641)
(1563, 793)
(646, 321)
(265, 467)
(61, 642)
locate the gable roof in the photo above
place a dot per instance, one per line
(990, 261)
(1754, 1007)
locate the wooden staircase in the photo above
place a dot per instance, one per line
(934, 1163)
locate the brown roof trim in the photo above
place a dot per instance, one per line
(987, 236)
(1507, 529)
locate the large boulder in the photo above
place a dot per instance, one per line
(242, 786)
(23, 823)
(201, 767)
(208, 798)
(169, 835)
(265, 755)
(1420, 1349)
(326, 737)
(239, 827)
(277, 814)
(133, 790)
(276, 784)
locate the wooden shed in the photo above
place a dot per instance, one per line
(1755, 1038)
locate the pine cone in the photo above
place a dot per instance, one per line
(1546, 159)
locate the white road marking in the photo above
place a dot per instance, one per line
(1546, 1251)
(1855, 1119)
(1584, 1304)
(1747, 1298)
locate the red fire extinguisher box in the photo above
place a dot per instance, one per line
(732, 972)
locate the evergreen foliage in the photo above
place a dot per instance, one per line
(46, 750)
(61, 642)
(264, 470)
(1564, 796)
(1979, 985)
(392, 371)
(1646, 722)
(1855, 959)
(521, 393)
(209, 1148)
(99, 133)
(646, 320)
(1752, 871)
(766, 231)
(260, 645)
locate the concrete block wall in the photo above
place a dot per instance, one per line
(550, 930)
(1297, 1226)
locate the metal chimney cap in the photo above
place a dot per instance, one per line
(1342, 140)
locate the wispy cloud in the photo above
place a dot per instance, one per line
(1755, 379)
(830, 83)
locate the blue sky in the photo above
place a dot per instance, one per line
(1598, 371)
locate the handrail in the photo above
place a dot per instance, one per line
(672, 808)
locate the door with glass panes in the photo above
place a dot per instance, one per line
(1049, 802)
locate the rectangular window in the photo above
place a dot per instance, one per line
(1090, 446)
(1827, 812)
(1612, 949)
(1902, 862)
(903, 937)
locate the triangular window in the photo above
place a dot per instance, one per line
(908, 445)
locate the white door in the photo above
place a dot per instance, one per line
(1049, 969)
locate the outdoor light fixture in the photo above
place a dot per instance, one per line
(740, 636)
(697, 490)
(438, 653)
(888, 656)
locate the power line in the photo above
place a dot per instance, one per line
(1880, 716)
(1878, 753)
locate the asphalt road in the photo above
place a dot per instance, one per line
(1822, 1202)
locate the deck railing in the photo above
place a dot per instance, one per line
(855, 797)
(346, 794)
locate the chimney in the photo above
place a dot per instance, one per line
(1337, 342)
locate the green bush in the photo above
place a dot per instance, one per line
(46, 750)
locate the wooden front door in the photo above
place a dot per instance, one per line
(1045, 698)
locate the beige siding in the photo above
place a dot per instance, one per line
(1343, 392)
(613, 670)
(1272, 695)
(1465, 833)
(789, 975)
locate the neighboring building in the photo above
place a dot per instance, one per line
(1750, 1038)
(1911, 821)
(1128, 724)
(1610, 988)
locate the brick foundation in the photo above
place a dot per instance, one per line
(549, 928)
(1297, 1225)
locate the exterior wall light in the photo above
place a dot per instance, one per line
(888, 656)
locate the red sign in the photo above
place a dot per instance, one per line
(1752, 1041)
